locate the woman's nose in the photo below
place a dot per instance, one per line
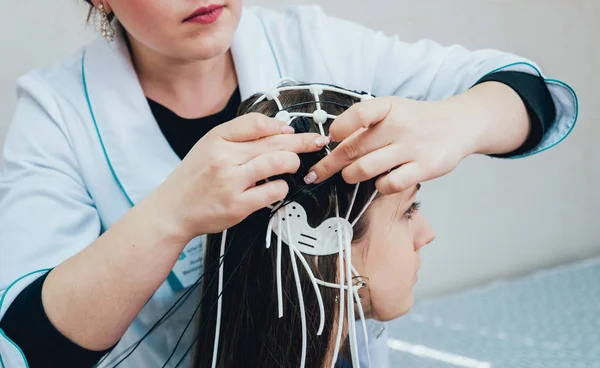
(425, 234)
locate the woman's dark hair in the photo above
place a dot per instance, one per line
(251, 333)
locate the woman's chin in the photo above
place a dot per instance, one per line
(396, 311)
(205, 49)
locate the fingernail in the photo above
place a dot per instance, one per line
(331, 139)
(286, 129)
(322, 141)
(310, 178)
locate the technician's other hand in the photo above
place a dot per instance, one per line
(416, 140)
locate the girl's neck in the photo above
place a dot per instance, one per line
(190, 88)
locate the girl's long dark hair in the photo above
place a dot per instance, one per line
(251, 333)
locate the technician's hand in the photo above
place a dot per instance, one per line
(421, 140)
(215, 188)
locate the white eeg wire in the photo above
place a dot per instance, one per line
(363, 322)
(340, 327)
(278, 271)
(299, 290)
(219, 300)
(313, 280)
(351, 318)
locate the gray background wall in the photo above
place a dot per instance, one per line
(494, 219)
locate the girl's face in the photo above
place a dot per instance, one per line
(168, 27)
(389, 254)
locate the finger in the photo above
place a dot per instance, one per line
(263, 195)
(360, 115)
(349, 151)
(375, 163)
(400, 179)
(297, 143)
(252, 126)
(268, 165)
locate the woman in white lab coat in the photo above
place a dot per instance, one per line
(101, 219)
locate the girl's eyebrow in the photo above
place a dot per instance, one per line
(404, 199)
(417, 187)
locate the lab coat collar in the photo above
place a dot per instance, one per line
(255, 61)
(135, 149)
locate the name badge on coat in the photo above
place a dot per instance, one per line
(188, 268)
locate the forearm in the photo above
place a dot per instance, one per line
(93, 297)
(495, 114)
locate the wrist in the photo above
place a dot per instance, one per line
(495, 118)
(467, 121)
(161, 218)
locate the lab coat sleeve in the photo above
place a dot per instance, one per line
(434, 72)
(360, 58)
(46, 213)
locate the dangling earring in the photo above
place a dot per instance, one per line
(106, 29)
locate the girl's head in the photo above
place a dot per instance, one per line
(168, 28)
(385, 245)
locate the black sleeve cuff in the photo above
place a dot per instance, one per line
(27, 325)
(538, 102)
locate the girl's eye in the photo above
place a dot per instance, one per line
(412, 209)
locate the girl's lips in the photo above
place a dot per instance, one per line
(206, 14)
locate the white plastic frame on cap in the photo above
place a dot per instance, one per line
(334, 235)
(319, 116)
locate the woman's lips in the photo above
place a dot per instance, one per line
(206, 14)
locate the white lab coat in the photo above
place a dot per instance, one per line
(83, 144)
